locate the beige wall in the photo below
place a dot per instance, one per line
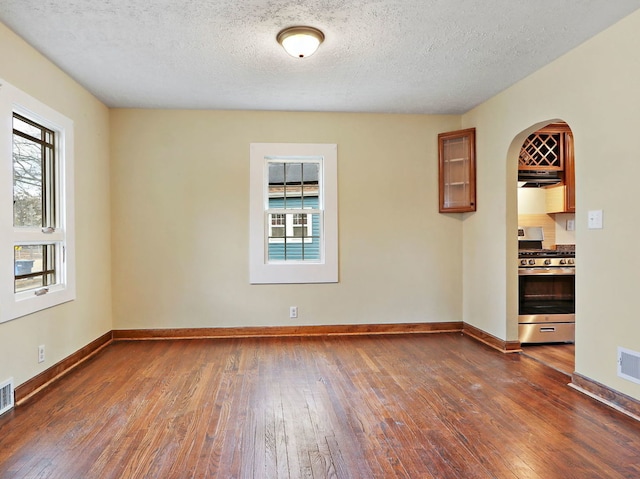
(66, 328)
(181, 221)
(594, 88)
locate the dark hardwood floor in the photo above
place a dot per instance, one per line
(397, 406)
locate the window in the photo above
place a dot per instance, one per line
(37, 226)
(293, 189)
(35, 267)
(293, 220)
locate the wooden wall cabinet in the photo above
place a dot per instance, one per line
(555, 199)
(457, 171)
(569, 174)
(551, 148)
(544, 149)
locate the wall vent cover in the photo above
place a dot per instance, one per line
(6, 395)
(629, 364)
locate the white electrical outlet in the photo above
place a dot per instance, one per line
(41, 353)
(293, 312)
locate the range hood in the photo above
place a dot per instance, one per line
(538, 178)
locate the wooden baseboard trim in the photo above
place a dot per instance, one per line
(30, 388)
(275, 331)
(490, 340)
(606, 395)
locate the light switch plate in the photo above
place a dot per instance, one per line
(571, 225)
(594, 220)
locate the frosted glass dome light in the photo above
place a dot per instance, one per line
(300, 42)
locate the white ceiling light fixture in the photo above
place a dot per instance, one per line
(300, 41)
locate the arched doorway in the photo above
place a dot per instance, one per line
(546, 245)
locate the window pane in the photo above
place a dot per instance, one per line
(33, 174)
(292, 179)
(293, 172)
(309, 190)
(301, 241)
(21, 125)
(310, 195)
(312, 229)
(293, 185)
(291, 191)
(27, 182)
(34, 266)
(276, 173)
(310, 172)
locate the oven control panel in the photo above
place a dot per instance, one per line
(546, 262)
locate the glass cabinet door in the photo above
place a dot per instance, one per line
(457, 171)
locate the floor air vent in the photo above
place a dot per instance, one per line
(6, 395)
(629, 365)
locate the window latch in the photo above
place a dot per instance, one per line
(48, 229)
(41, 291)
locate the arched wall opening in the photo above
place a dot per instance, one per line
(528, 207)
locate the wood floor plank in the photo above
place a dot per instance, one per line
(558, 356)
(430, 406)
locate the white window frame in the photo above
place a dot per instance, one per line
(263, 271)
(14, 305)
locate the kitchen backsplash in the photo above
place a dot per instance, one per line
(554, 229)
(532, 212)
(563, 235)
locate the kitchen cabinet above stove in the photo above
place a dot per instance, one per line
(544, 149)
(547, 161)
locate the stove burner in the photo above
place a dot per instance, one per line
(545, 253)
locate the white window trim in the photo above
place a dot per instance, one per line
(261, 271)
(14, 305)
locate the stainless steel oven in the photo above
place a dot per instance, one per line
(546, 294)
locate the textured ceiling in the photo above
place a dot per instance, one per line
(400, 56)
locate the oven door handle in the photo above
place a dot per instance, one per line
(546, 271)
